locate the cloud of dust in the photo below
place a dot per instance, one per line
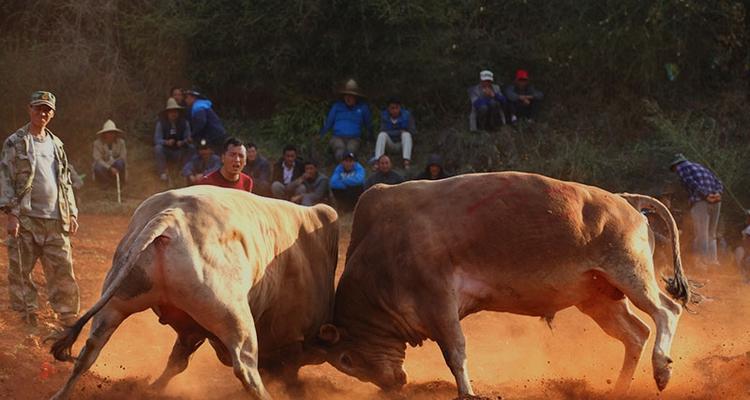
(508, 356)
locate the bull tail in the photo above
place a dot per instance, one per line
(677, 286)
(61, 348)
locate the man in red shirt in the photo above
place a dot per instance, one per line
(230, 174)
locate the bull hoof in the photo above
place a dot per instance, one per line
(662, 377)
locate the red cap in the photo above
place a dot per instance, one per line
(522, 74)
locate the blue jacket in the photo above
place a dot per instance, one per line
(404, 122)
(348, 122)
(204, 122)
(341, 179)
(478, 99)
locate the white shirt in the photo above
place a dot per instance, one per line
(288, 173)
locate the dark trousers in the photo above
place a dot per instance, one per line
(489, 116)
(347, 198)
(522, 110)
(104, 177)
(174, 155)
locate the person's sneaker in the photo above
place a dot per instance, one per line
(407, 164)
(164, 177)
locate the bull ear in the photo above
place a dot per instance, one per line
(329, 334)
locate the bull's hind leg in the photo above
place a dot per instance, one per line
(104, 325)
(186, 344)
(640, 287)
(665, 313)
(616, 319)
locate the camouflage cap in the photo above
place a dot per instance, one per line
(43, 97)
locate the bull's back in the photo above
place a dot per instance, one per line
(511, 212)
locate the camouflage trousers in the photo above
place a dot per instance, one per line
(42, 239)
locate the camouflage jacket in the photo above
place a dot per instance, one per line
(17, 166)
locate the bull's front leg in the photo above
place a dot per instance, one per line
(450, 338)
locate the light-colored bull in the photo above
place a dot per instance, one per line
(424, 255)
(252, 275)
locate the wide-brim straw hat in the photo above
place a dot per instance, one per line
(172, 105)
(351, 87)
(109, 126)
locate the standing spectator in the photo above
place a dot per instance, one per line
(202, 164)
(742, 252)
(434, 169)
(172, 137)
(347, 182)
(524, 98)
(286, 170)
(384, 174)
(37, 196)
(109, 155)
(177, 94)
(233, 158)
(488, 105)
(259, 169)
(704, 190)
(312, 187)
(204, 122)
(396, 129)
(347, 118)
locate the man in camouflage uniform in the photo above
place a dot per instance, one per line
(37, 195)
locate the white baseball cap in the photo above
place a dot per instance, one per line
(486, 75)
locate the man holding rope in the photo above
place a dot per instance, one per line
(705, 190)
(37, 196)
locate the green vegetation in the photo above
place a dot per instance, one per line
(629, 83)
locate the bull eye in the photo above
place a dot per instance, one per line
(346, 361)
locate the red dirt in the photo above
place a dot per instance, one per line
(510, 356)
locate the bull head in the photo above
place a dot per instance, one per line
(375, 361)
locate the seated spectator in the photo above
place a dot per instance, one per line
(259, 169)
(488, 105)
(347, 118)
(202, 164)
(396, 129)
(172, 138)
(177, 94)
(523, 97)
(204, 122)
(434, 169)
(312, 187)
(109, 155)
(233, 158)
(347, 182)
(384, 174)
(286, 170)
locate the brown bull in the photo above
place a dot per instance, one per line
(424, 255)
(252, 275)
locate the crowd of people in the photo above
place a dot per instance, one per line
(189, 125)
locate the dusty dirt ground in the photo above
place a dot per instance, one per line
(510, 356)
